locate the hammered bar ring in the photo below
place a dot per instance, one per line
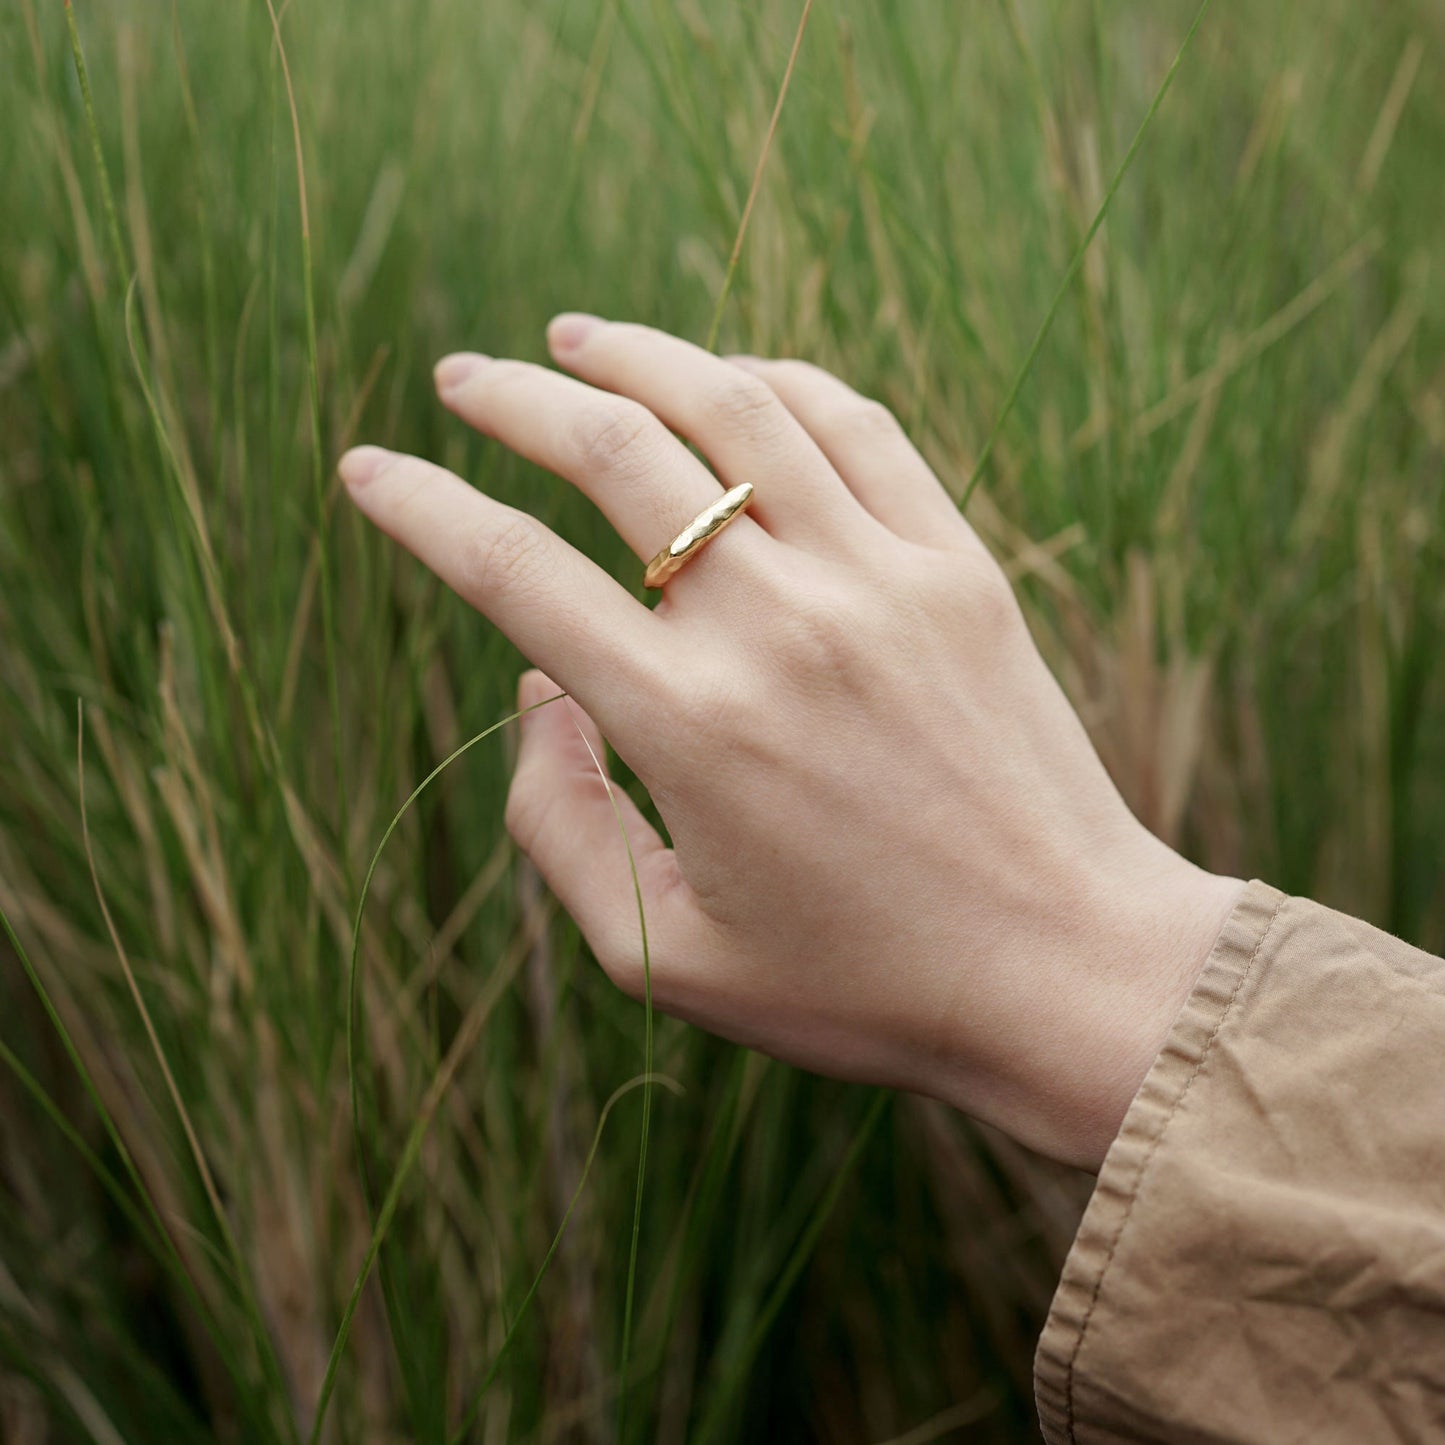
(697, 534)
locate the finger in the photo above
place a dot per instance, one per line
(561, 815)
(559, 607)
(648, 485)
(868, 448)
(740, 426)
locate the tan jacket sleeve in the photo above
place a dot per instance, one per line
(1263, 1258)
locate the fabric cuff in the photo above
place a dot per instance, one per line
(1126, 1166)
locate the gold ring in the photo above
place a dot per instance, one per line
(697, 534)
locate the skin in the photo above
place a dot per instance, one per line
(895, 856)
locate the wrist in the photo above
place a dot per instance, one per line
(1111, 964)
(1161, 925)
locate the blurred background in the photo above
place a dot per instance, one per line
(1219, 494)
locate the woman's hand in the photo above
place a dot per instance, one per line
(895, 855)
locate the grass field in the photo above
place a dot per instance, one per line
(1219, 490)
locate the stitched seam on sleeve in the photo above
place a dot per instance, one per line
(1144, 1170)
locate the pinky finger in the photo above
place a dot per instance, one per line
(869, 450)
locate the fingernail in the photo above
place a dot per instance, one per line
(452, 371)
(361, 464)
(571, 329)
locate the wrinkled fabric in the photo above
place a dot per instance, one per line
(1263, 1257)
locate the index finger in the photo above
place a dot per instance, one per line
(560, 608)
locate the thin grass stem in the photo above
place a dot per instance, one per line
(353, 1018)
(269, 1363)
(1078, 260)
(626, 1352)
(112, 220)
(802, 1253)
(641, 1081)
(313, 376)
(722, 297)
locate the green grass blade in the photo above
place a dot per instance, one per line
(112, 223)
(270, 1364)
(1026, 366)
(169, 1254)
(737, 251)
(313, 383)
(641, 1081)
(802, 1253)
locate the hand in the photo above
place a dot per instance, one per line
(895, 856)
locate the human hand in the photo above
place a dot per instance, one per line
(895, 855)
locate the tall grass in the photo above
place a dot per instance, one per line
(1218, 488)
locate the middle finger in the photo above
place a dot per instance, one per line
(647, 484)
(736, 420)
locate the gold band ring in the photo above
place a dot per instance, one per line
(697, 534)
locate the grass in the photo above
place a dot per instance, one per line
(1216, 478)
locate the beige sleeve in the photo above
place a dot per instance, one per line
(1263, 1258)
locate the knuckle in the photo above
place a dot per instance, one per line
(622, 962)
(872, 418)
(972, 584)
(505, 557)
(992, 601)
(820, 635)
(854, 416)
(794, 373)
(611, 437)
(746, 405)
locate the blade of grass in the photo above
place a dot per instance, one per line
(737, 252)
(1078, 259)
(443, 1076)
(466, 1035)
(646, 1099)
(169, 1254)
(328, 616)
(414, 1141)
(117, 246)
(269, 1363)
(380, 1218)
(144, 1228)
(1234, 357)
(802, 1253)
(641, 1081)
